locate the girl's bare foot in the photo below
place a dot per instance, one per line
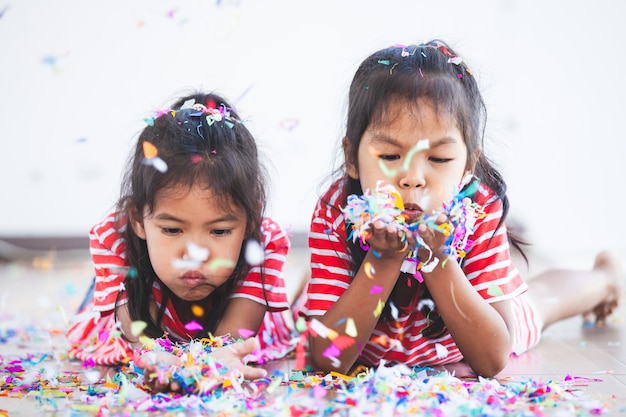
(607, 263)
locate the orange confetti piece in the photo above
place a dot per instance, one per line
(197, 310)
(149, 150)
(343, 342)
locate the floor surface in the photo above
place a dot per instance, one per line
(43, 289)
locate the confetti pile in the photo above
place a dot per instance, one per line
(386, 390)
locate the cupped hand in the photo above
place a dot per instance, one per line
(232, 356)
(434, 239)
(388, 241)
(152, 364)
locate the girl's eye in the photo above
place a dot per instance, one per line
(389, 157)
(440, 160)
(172, 231)
(221, 232)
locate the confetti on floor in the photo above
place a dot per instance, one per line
(68, 388)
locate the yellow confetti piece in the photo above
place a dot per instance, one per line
(340, 375)
(379, 308)
(149, 150)
(369, 270)
(148, 342)
(197, 310)
(273, 385)
(351, 327)
(332, 334)
(137, 327)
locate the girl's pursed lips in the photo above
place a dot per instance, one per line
(412, 211)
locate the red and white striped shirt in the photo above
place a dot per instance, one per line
(487, 266)
(94, 335)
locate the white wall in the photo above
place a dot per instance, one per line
(77, 77)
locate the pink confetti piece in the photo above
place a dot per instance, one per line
(376, 289)
(246, 333)
(193, 326)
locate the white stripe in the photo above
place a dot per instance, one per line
(491, 267)
(261, 301)
(486, 254)
(327, 282)
(500, 281)
(327, 237)
(330, 253)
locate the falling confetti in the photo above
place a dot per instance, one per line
(255, 255)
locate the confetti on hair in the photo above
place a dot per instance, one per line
(151, 157)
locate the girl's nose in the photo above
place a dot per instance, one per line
(412, 178)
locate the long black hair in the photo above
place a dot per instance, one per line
(219, 155)
(430, 70)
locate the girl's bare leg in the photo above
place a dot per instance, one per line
(561, 293)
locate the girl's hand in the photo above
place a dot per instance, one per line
(232, 356)
(434, 239)
(388, 241)
(151, 363)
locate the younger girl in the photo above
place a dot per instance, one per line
(187, 251)
(415, 122)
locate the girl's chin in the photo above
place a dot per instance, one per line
(195, 295)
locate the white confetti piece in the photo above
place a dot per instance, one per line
(255, 255)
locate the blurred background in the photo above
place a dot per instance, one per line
(78, 77)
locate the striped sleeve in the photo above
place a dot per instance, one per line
(266, 282)
(108, 253)
(331, 272)
(488, 264)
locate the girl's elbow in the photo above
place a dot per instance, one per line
(492, 366)
(323, 364)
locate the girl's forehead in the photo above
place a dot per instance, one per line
(201, 193)
(420, 112)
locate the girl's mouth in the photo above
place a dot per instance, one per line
(412, 212)
(195, 278)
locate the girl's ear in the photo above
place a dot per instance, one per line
(136, 222)
(351, 166)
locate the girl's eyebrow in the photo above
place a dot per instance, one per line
(383, 138)
(170, 217)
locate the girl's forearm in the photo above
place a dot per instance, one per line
(361, 302)
(482, 332)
